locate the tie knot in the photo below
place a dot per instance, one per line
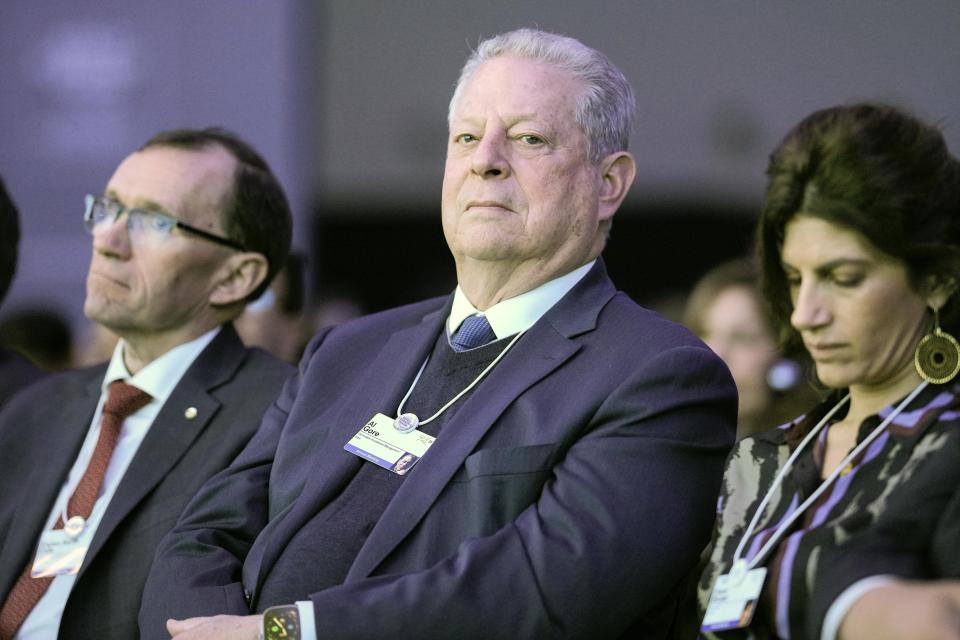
(124, 399)
(474, 332)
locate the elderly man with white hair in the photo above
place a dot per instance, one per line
(566, 444)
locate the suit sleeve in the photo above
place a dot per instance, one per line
(197, 566)
(608, 542)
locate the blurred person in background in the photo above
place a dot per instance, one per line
(725, 309)
(16, 371)
(40, 334)
(844, 523)
(277, 321)
(97, 464)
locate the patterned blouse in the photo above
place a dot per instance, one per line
(895, 511)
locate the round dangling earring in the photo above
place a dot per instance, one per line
(937, 357)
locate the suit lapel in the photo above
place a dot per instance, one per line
(545, 347)
(388, 378)
(73, 414)
(390, 375)
(172, 432)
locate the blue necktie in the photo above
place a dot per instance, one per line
(474, 332)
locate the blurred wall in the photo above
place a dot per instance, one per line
(718, 83)
(85, 82)
(347, 99)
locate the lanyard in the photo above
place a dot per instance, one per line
(459, 395)
(740, 565)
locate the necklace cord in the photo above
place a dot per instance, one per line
(788, 522)
(466, 389)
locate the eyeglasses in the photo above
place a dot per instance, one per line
(146, 222)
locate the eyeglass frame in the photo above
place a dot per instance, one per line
(118, 209)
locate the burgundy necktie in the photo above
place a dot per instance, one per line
(122, 400)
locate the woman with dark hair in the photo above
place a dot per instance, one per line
(846, 521)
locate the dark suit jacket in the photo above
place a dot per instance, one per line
(41, 432)
(16, 372)
(570, 494)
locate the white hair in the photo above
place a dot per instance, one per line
(605, 108)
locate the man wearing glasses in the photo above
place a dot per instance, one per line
(97, 464)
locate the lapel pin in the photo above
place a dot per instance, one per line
(190, 413)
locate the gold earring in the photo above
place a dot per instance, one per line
(937, 357)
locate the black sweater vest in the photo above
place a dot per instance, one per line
(320, 554)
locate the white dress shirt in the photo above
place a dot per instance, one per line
(506, 318)
(519, 313)
(158, 379)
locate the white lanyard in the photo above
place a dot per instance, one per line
(739, 565)
(418, 422)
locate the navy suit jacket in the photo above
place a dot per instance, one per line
(568, 497)
(41, 431)
(16, 372)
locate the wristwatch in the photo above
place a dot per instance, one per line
(281, 623)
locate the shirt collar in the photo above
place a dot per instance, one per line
(159, 377)
(519, 313)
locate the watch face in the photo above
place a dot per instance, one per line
(281, 623)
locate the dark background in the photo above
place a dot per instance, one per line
(347, 100)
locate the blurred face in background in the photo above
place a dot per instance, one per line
(734, 327)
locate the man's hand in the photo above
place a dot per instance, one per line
(216, 628)
(906, 610)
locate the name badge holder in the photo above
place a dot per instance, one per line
(60, 551)
(397, 444)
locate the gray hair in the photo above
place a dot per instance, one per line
(604, 109)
